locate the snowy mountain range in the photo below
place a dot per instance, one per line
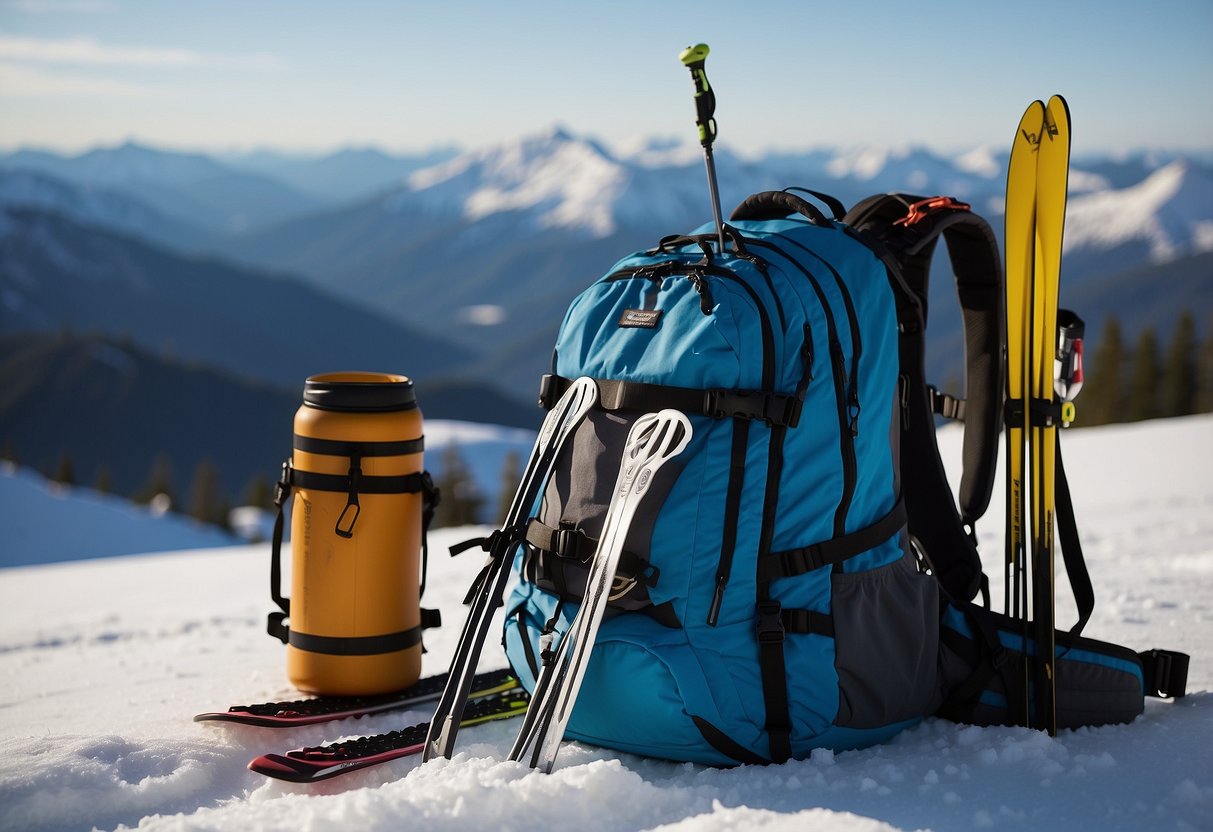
(487, 247)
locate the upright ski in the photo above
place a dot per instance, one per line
(1035, 220)
(489, 587)
(308, 765)
(1052, 175)
(653, 440)
(1020, 239)
(288, 714)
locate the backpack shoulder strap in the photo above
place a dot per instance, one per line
(904, 230)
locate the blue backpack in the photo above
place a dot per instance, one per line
(783, 584)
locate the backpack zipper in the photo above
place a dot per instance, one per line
(845, 395)
(856, 340)
(698, 274)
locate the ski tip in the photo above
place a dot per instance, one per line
(1034, 107)
(278, 767)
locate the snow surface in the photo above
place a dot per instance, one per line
(105, 661)
(45, 522)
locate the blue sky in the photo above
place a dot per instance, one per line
(409, 75)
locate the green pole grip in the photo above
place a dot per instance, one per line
(693, 58)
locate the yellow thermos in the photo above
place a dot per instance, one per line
(356, 536)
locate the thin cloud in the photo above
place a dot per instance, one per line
(23, 81)
(63, 6)
(88, 51)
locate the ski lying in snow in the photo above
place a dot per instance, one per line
(308, 765)
(488, 589)
(329, 708)
(654, 439)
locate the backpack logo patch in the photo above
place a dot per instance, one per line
(640, 318)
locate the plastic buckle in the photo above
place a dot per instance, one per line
(282, 489)
(1169, 676)
(924, 207)
(782, 410)
(711, 404)
(567, 543)
(547, 395)
(770, 622)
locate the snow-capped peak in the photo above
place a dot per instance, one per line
(567, 181)
(981, 161)
(1169, 211)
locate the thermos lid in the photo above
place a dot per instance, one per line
(364, 392)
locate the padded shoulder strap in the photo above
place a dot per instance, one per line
(910, 226)
(904, 231)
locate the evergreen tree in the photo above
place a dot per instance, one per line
(259, 492)
(1102, 399)
(511, 473)
(65, 471)
(1178, 394)
(1204, 375)
(9, 453)
(207, 501)
(159, 481)
(461, 500)
(104, 482)
(1144, 378)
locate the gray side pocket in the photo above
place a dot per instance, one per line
(886, 626)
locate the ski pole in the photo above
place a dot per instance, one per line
(693, 57)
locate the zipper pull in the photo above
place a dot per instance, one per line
(903, 387)
(853, 409)
(705, 292)
(717, 600)
(806, 354)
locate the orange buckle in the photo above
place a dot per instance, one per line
(919, 210)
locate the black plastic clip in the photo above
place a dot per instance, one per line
(770, 622)
(1165, 672)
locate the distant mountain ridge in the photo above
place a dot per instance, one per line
(485, 248)
(522, 227)
(107, 402)
(191, 188)
(57, 274)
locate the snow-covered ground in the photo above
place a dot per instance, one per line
(45, 522)
(104, 662)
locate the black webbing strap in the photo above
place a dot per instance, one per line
(1165, 673)
(949, 407)
(1071, 545)
(808, 622)
(723, 743)
(772, 408)
(829, 552)
(576, 545)
(988, 658)
(353, 484)
(773, 669)
(397, 484)
(276, 624)
(336, 447)
(356, 645)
